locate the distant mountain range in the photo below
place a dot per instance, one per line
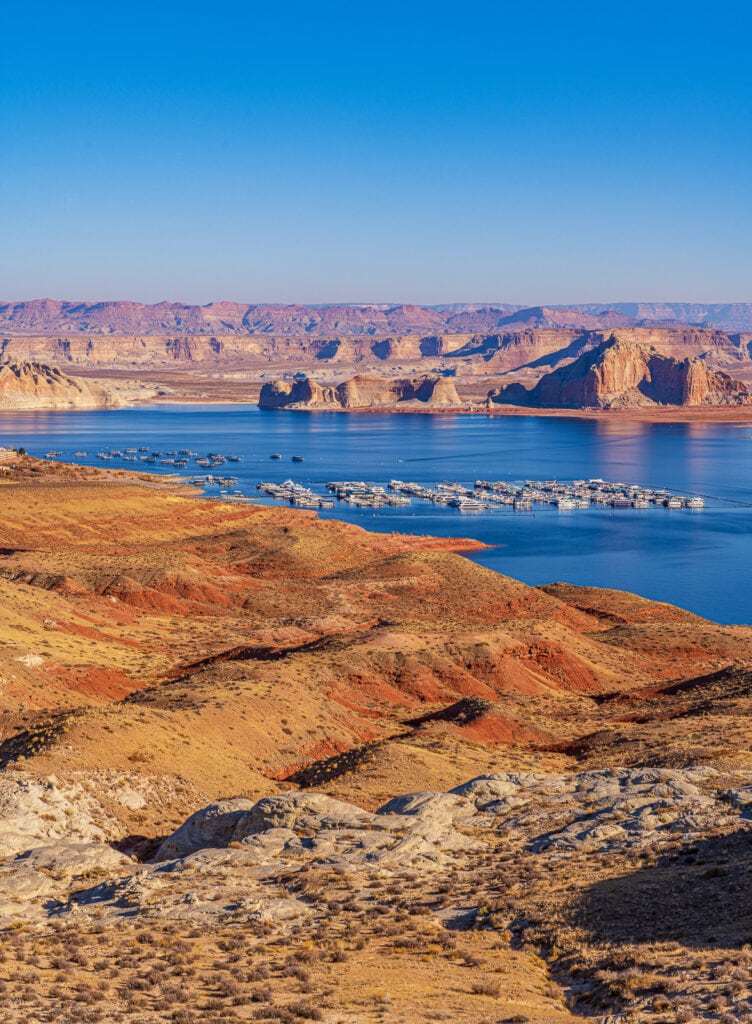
(52, 317)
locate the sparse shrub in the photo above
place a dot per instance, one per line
(485, 988)
(305, 1010)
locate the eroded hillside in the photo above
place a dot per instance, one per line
(160, 653)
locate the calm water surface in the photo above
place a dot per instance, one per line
(699, 560)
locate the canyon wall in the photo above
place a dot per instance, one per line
(618, 374)
(38, 386)
(474, 354)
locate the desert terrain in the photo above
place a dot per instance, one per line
(261, 766)
(493, 359)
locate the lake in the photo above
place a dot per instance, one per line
(700, 560)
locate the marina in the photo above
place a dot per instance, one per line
(482, 496)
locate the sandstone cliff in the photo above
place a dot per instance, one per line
(38, 386)
(359, 393)
(470, 353)
(618, 374)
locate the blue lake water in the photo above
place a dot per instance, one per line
(699, 560)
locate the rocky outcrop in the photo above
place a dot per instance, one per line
(618, 374)
(359, 393)
(39, 386)
(41, 812)
(223, 852)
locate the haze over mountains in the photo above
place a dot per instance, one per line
(50, 316)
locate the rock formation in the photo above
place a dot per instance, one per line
(39, 386)
(618, 374)
(359, 393)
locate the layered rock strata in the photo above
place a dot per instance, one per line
(359, 393)
(26, 385)
(618, 374)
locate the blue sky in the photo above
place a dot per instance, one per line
(362, 151)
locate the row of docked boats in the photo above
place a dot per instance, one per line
(364, 495)
(485, 495)
(295, 494)
(584, 493)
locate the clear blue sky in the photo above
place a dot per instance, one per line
(376, 151)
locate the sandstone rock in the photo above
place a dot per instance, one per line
(416, 827)
(226, 858)
(214, 825)
(28, 385)
(303, 810)
(359, 393)
(741, 799)
(35, 813)
(619, 374)
(438, 807)
(598, 810)
(46, 873)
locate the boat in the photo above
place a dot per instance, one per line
(695, 503)
(53, 455)
(673, 503)
(275, 456)
(79, 455)
(467, 505)
(297, 458)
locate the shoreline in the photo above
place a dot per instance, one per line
(665, 414)
(643, 414)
